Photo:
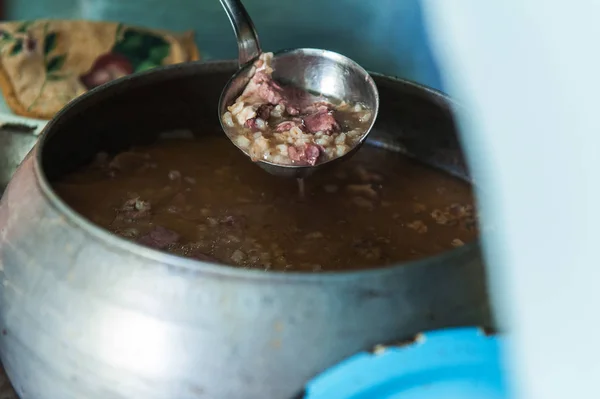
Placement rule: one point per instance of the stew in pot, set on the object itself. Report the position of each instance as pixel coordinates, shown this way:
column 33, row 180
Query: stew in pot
column 201, row 198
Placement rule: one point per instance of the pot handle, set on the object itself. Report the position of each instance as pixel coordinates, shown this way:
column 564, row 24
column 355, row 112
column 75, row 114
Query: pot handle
column 247, row 38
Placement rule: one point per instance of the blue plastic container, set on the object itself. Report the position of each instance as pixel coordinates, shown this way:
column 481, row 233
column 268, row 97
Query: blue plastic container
column 446, row 364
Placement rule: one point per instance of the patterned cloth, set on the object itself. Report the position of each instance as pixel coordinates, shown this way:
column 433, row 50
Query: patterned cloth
column 44, row 64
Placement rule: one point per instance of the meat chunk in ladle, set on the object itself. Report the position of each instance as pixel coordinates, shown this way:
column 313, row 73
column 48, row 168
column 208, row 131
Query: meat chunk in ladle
column 294, row 111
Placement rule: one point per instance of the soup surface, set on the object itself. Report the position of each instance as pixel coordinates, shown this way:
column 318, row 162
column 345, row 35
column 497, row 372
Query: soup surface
column 204, row 199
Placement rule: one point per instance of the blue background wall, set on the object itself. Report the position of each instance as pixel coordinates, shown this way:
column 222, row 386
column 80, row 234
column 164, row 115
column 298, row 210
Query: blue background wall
column 385, row 36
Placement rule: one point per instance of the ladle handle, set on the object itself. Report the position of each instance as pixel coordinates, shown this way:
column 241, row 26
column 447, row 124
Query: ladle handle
column 247, row 38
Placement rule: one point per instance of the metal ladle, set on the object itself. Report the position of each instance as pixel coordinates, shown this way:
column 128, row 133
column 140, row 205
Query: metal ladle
column 317, row 71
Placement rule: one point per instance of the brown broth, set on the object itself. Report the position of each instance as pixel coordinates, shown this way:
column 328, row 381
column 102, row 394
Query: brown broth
column 376, row 209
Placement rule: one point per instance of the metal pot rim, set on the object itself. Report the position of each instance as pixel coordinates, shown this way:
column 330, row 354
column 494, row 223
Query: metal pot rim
column 188, row 264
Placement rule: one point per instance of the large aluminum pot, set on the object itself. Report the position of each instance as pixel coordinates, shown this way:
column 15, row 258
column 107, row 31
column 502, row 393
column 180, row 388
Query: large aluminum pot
column 85, row 314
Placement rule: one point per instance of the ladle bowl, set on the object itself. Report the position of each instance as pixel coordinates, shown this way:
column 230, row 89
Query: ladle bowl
column 316, row 71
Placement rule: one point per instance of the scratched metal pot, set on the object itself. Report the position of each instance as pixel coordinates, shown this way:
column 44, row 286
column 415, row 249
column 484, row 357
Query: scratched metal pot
column 17, row 136
column 85, row 314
